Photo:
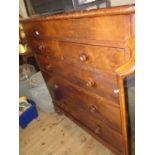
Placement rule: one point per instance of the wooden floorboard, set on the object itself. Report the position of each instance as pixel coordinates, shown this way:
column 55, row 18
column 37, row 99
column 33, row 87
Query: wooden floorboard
column 53, row 134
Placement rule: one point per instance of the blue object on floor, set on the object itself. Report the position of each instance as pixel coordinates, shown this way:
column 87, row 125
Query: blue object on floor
column 27, row 116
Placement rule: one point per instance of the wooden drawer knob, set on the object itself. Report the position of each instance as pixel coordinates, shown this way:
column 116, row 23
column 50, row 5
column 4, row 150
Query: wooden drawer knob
column 61, row 103
column 93, row 108
column 40, row 47
column 56, row 86
column 90, row 83
column 116, row 91
column 83, row 57
column 64, row 103
column 37, row 33
column 98, row 130
column 48, row 67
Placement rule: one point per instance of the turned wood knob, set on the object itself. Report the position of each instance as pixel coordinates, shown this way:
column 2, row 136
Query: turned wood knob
column 116, row 91
column 37, row 33
column 90, row 83
column 40, row 47
column 97, row 130
column 62, row 103
column 93, row 108
column 83, row 57
column 48, row 67
column 56, row 86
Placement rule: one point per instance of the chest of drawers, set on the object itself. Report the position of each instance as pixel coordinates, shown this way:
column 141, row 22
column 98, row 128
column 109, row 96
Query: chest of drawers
column 84, row 58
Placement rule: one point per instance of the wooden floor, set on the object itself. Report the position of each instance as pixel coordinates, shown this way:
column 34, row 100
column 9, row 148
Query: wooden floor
column 52, row 134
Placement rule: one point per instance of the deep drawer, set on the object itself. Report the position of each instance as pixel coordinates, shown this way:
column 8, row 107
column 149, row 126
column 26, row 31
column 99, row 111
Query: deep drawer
column 102, row 28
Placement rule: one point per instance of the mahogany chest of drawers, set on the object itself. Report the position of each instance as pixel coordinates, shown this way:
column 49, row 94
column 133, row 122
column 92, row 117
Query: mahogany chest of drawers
column 84, row 58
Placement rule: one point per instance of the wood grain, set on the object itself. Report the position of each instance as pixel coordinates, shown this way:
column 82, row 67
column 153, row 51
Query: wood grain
column 81, row 29
column 52, row 134
column 90, row 80
column 103, row 58
column 105, row 110
column 88, row 48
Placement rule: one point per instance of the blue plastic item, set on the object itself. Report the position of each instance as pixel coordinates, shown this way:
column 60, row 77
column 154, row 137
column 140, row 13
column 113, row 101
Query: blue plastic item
column 27, row 116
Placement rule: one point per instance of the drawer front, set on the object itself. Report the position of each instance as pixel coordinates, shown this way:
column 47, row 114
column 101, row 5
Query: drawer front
column 96, row 114
column 99, row 107
column 107, row 28
column 101, row 84
column 106, row 59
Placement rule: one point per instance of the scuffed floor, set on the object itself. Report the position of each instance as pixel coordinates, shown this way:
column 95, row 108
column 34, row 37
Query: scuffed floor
column 53, row 134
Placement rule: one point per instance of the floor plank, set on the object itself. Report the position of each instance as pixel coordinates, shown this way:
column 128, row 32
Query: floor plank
column 53, row 134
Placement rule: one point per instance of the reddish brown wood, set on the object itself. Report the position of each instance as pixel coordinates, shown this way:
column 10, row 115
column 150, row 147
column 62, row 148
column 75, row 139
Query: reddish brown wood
column 102, row 58
column 84, row 57
column 104, row 109
column 81, row 29
column 93, row 81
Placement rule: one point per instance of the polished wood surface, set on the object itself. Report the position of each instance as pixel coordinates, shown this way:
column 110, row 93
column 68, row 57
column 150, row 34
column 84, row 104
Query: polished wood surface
column 84, row 57
column 83, row 28
column 101, row 108
column 115, row 20
column 101, row 84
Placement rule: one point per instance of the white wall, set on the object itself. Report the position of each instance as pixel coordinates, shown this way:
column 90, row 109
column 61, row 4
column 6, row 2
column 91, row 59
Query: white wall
column 121, row 2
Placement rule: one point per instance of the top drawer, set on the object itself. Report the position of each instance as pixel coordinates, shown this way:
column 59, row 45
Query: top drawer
column 102, row 28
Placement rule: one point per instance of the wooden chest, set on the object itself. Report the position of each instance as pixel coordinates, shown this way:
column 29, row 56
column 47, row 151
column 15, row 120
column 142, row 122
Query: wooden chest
column 84, row 58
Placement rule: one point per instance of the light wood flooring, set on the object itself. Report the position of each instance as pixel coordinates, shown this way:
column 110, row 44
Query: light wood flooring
column 53, row 134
